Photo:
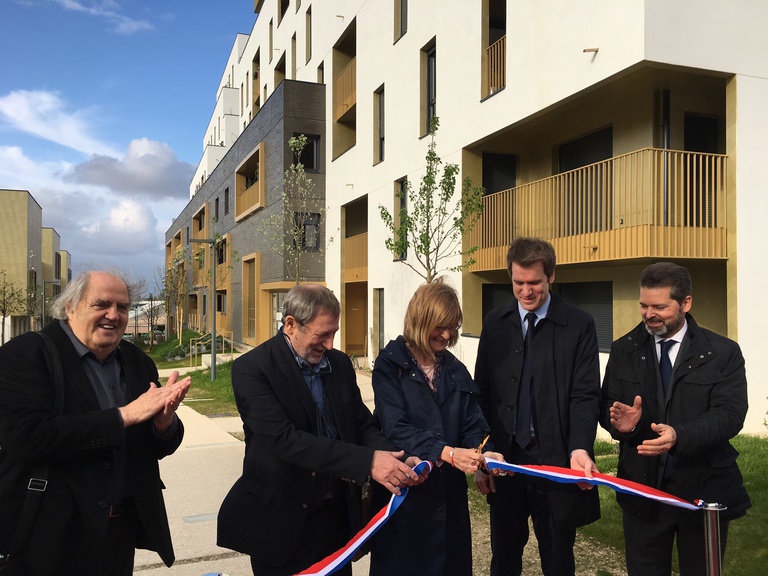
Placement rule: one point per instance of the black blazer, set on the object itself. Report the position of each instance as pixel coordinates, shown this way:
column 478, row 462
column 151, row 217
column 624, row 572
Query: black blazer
column 706, row 405
column 78, row 446
column 566, row 377
column 264, row 513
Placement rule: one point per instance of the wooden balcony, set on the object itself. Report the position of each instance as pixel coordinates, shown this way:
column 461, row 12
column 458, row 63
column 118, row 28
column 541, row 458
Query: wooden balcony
column 496, row 59
column 345, row 91
column 355, row 260
column 649, row 203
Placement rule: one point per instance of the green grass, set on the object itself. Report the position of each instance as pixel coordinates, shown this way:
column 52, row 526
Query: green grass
column 747, row 550
column 212, row 398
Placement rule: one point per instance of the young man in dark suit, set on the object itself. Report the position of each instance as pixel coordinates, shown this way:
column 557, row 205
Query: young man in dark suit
column 537, row 370
column 310, row 444
column 674, row 394
column 102, row 444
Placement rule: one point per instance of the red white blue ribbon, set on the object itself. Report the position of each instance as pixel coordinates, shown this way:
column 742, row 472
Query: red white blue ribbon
column 568, row 476
column 330, row 564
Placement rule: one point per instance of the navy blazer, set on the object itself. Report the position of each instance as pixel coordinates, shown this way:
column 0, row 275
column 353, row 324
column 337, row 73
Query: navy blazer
column 78, row 446
column 706, row 405
column 566, row 392
column 264, row 513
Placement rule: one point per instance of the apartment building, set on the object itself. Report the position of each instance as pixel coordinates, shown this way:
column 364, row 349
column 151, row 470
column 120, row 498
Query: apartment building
column 623, row 132
column 31, row 260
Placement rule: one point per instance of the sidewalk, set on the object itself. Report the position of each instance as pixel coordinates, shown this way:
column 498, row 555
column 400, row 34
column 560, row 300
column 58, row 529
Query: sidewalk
column 197, row 477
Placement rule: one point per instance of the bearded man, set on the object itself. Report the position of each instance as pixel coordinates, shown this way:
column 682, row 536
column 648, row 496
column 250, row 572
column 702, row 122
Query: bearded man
column 673, row 395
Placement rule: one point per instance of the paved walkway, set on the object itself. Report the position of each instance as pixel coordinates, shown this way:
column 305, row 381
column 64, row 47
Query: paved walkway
column 197, row 477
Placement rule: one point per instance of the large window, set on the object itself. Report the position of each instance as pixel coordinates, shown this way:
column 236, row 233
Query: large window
column 401, row 18
column 310, row 156
column 429, row 85
column 310, row 235
column 378, row 125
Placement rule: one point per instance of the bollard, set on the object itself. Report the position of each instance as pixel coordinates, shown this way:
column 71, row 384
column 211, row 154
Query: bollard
column 712, row 537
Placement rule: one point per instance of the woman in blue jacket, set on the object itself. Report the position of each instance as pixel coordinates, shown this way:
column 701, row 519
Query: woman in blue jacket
column 425, row 401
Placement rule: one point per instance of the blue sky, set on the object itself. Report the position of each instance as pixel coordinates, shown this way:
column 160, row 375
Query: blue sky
column 103, row 108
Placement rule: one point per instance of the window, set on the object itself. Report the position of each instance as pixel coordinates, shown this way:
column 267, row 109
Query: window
column 216, row 209
column 401, row 204
column 226, row 201
column 282, row 9
column 308, row 36
column 310, row 156
column 221, row 252
column 310, row 234
column 250, row 185
column 429, row 85
column 221, row 302
column 378, row 125
column 596, row 298
column 57, row 267
column 187, row 235
column 401, row 18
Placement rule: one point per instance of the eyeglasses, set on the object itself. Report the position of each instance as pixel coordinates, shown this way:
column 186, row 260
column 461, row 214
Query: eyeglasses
column 452, row 330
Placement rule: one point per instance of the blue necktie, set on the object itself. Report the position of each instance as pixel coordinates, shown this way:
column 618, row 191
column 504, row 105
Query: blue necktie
column 524, row 399
column 665, row 364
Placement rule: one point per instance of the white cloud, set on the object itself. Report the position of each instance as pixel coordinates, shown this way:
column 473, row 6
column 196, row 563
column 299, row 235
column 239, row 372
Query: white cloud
column 109, row 10
column 43, row 114
column 149, row 168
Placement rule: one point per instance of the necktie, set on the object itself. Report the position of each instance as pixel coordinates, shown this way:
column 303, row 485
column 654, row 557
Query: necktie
column 523, row 425
column 665, row 364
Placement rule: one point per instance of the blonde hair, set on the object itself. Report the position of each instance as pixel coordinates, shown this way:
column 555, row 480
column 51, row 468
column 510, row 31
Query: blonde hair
column 433, row 305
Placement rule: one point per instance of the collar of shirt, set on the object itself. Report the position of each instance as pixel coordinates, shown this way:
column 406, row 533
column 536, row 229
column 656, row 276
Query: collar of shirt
column 322, row 366
column 677, row 338
column 540, row 312
column 82, row 349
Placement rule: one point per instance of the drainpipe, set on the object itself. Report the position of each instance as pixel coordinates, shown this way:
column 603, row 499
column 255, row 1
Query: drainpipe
column 665, row 127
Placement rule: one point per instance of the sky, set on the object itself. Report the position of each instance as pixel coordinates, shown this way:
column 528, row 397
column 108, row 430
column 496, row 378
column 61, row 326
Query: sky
column 103, row 110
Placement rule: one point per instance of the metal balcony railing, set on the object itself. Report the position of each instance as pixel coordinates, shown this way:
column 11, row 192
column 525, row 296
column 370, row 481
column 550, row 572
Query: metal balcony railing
column 648, row 203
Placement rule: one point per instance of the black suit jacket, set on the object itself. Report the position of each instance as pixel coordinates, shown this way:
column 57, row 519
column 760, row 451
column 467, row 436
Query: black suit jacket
column 566, row 378
column 264, row 513
column 706, row 405
column 79, row 447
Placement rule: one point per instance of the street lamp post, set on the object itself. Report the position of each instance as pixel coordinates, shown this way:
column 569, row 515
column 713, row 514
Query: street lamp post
column 213, row 300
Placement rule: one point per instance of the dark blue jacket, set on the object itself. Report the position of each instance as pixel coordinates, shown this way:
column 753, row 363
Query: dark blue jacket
column 706, row 405
column 431, row 529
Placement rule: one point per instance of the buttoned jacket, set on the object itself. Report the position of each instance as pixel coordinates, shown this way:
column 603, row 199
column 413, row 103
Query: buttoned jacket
column 706, row 404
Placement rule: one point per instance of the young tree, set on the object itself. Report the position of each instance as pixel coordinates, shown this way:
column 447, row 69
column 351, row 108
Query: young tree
column 432, row 223
column 174, row 288
column 294, row 232
column 12, row 301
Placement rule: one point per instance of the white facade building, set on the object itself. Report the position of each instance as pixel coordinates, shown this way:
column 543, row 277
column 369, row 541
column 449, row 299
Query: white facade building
column 623, row 132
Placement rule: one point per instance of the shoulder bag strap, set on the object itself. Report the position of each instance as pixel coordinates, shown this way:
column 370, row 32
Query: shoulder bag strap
column 38, row 480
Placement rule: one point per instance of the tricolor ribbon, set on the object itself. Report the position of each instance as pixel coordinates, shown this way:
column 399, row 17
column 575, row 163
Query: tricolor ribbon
column 331, row 563
column 568, row 476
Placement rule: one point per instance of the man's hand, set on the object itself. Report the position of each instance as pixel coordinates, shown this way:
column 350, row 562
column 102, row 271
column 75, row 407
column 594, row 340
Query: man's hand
column 164, row 419
column 624, row 418
column 412, row 462
column 157, row 402
column 485, row 483
column 581, row 461
column 661, row 445
column 390, row 472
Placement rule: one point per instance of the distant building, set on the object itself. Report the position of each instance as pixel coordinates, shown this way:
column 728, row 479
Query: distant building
column 31, row 260
column 623, row 132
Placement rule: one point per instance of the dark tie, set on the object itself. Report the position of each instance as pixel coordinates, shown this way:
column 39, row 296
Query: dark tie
column 665, row 364
column 523, row 426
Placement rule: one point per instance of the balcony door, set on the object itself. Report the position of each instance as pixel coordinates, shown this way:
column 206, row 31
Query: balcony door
column 585, row 195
